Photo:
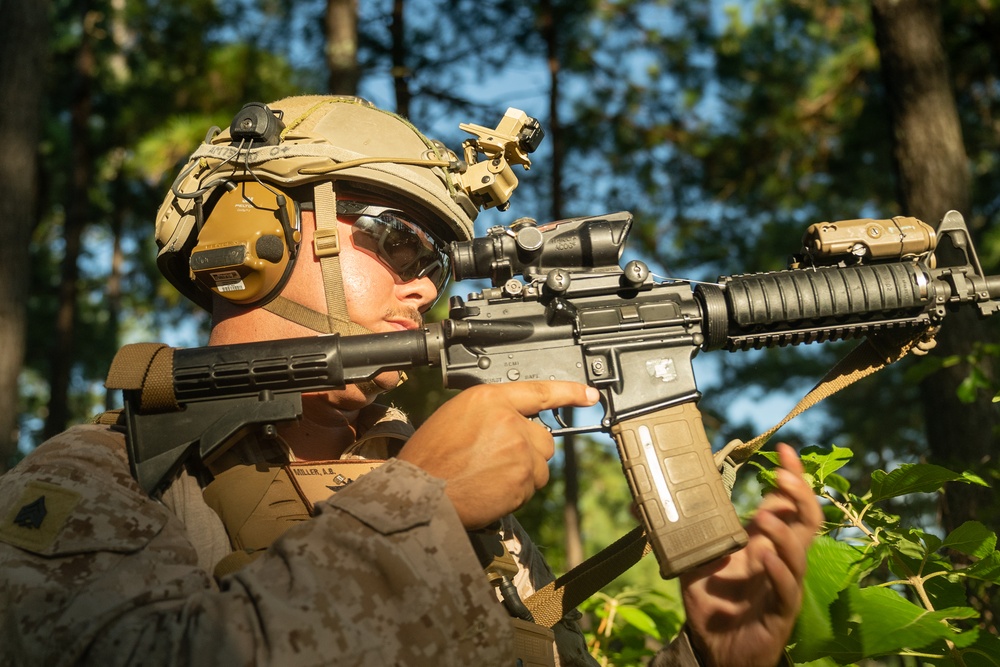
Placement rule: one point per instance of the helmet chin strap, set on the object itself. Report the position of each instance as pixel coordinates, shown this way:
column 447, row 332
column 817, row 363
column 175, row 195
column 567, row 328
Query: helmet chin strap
column 326, row 245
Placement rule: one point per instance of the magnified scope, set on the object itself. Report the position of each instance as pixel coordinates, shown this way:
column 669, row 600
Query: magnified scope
column 530, row 249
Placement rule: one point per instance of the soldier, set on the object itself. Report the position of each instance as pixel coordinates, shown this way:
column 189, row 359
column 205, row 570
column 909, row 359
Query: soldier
column 338, row 218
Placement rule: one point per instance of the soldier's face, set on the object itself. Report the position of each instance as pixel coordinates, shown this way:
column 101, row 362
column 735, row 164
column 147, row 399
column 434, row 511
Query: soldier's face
column 377, row 297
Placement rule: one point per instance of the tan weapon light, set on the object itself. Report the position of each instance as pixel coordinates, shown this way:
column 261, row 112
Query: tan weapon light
column 867, row 238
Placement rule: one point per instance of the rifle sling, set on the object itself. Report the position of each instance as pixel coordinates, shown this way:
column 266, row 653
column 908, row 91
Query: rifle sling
column 868, row 357
column 148, row 367
column 551, row 602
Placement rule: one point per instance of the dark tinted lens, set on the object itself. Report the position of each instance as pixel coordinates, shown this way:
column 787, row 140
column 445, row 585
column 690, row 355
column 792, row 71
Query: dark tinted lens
column 405, row 250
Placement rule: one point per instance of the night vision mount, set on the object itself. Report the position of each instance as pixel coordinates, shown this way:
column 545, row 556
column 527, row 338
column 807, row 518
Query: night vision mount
column 490, row 181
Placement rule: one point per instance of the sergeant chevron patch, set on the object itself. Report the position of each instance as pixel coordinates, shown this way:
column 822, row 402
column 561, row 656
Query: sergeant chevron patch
column 36, row 519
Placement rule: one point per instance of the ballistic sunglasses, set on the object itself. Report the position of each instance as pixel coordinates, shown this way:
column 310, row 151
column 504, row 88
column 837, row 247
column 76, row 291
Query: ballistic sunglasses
column 401, row 245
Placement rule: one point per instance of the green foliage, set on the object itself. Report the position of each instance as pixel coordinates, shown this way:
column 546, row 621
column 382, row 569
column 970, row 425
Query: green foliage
column 877, row 587
column 629, row 626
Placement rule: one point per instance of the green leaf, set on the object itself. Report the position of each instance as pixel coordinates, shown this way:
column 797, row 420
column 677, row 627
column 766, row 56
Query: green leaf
column 931, row 541
column 767, row 478
column 877, row 517
column 987, row 569
column 638, row 619
column 984, row 652
column 916, row 478
column 972, row 539
column 842, row 644
column 838, row 483
column 907, row 544
column 832, row 566
column 890, row 623
column 822, row 662
column 967, row 638
column 821, row 463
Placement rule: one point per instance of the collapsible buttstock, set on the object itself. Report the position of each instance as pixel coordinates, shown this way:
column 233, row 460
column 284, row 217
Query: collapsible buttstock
column 687, row 513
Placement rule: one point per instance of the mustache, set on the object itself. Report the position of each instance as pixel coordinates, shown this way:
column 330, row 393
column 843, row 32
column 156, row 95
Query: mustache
column 403, row 312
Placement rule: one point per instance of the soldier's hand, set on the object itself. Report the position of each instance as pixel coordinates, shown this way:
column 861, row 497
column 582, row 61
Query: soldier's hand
column 482, row 443
column 741, row 608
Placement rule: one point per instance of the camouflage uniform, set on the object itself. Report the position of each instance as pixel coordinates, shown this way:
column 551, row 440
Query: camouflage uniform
column 94, row 571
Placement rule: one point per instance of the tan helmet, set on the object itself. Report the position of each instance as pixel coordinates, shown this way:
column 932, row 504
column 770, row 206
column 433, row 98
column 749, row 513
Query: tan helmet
column 230, row 223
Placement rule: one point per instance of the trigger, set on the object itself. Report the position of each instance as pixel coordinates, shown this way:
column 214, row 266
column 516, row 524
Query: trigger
column 557, row 415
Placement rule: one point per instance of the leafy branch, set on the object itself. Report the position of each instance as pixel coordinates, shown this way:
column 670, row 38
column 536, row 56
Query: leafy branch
column 877, row 588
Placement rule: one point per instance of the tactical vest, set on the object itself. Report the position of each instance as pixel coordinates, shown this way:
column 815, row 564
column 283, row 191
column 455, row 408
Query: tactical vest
column 258, row 496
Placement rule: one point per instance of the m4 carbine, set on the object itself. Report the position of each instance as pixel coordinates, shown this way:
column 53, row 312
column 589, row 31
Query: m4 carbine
column 577, row 315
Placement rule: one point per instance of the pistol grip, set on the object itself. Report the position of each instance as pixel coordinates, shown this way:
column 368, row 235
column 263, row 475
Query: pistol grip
column 688, row 516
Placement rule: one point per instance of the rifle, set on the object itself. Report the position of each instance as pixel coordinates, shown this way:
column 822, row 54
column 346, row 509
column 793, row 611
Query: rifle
column 577, row 315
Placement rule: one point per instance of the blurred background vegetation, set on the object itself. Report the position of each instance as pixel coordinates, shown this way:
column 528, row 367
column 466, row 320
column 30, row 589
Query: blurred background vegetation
column 726, row 127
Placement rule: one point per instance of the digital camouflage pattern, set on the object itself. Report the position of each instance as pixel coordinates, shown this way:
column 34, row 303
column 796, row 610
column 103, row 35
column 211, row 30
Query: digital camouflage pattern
column 93, row 571
column 383, row 575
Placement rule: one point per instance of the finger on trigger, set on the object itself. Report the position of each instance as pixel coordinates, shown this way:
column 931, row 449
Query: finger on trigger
column 530, row 398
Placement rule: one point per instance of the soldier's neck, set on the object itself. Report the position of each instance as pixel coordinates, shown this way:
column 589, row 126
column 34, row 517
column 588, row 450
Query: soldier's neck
column 323, row 432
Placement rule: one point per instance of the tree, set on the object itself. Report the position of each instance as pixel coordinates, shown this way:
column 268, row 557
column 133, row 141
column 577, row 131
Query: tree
column 77, row 214
column 158, row 76
column 342, row 46
column 933, row 176
column 23, row 46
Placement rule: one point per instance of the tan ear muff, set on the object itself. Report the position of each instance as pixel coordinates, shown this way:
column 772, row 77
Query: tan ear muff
column 247, row 246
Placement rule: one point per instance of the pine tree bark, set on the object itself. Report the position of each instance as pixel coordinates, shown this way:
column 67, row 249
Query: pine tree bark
column 342, row 46
column 77, row 208
column 24, row 38
column 934, row 177
column 398, row 52
column 549, row 25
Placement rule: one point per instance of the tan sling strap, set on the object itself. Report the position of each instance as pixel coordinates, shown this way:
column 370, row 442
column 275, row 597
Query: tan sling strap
column 149, row 367
column 550, row 603
column 326, row 246
column 868, row 357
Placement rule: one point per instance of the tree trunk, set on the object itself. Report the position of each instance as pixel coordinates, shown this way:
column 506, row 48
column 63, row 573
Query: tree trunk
column 77, row 208
column 934, row 177
column 571, row 469
column 24, row 38
column 342, row 46
column 113, row 291
column 400, row 72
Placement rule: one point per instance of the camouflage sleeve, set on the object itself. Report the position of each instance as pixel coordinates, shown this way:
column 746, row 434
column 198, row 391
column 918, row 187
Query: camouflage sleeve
column 94, row 572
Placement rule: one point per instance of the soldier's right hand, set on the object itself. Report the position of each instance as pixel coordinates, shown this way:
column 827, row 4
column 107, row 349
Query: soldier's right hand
column 483, row 444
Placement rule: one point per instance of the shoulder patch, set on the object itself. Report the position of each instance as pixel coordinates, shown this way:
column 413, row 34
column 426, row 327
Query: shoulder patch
column 34, row 521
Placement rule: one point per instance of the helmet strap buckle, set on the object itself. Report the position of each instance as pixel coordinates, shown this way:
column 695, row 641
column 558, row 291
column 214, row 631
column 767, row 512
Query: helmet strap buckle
column 326, row 242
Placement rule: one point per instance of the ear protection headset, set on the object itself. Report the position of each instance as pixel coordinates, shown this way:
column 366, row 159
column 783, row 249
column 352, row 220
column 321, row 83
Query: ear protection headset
column 246, row 247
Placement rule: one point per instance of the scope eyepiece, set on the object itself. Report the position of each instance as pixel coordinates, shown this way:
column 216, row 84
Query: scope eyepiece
column 533, row 250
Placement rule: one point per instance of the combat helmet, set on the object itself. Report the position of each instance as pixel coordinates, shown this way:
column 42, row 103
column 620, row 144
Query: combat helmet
column 230, row 224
